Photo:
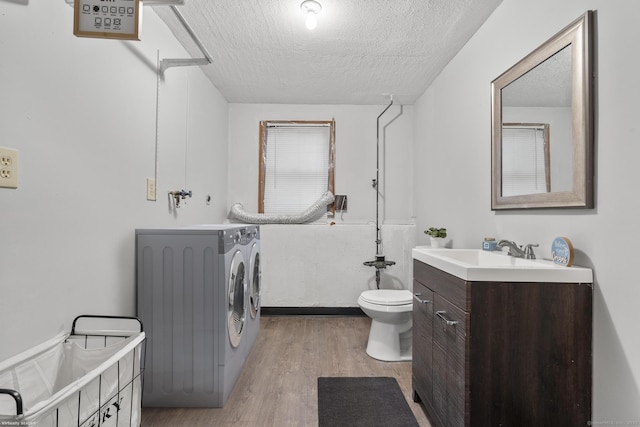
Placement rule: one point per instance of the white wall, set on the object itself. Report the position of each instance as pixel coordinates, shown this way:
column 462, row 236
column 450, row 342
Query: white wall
column 82, row 114
column 321, row 265
column 452, row 124
column 355, row 156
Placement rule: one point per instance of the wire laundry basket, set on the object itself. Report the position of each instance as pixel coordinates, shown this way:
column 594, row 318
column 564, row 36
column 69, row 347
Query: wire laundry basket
column 89, row 377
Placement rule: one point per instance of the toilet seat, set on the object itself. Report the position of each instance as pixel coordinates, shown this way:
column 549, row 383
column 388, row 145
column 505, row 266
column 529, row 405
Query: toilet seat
column 387, row 297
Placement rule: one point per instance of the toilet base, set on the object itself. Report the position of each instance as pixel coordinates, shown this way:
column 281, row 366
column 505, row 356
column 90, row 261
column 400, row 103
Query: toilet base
column 390, row 342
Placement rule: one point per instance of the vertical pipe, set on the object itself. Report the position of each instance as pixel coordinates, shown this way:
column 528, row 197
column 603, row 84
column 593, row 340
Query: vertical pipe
column 186, row 135
column 158, row 81
column 378, row 233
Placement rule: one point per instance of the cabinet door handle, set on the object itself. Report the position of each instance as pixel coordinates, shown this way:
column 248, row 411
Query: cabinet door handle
column 420, row 300
column 441, row 315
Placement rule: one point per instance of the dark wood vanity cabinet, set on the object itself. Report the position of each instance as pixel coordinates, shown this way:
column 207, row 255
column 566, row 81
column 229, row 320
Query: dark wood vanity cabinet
column 501, row 353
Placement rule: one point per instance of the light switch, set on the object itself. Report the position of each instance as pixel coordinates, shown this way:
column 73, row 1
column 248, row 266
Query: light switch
column 151, row 189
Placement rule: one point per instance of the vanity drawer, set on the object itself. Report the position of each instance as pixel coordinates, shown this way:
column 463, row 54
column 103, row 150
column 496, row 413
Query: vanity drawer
column 450, row 287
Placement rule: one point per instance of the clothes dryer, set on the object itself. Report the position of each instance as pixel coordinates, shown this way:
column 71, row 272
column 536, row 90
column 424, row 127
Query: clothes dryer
column 192, row 287
column 253, row 285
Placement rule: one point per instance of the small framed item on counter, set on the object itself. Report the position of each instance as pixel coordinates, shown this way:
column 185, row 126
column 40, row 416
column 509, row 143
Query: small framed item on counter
column 562, row 251
column 107, row 19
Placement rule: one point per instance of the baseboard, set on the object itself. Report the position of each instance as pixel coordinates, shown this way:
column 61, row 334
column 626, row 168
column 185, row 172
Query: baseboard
column 311, row 311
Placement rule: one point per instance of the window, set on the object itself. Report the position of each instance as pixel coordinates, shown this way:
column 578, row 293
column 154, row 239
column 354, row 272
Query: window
column 296, row 165
column 525, row 159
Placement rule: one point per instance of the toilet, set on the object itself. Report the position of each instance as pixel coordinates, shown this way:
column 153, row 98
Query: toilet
column 390, row 312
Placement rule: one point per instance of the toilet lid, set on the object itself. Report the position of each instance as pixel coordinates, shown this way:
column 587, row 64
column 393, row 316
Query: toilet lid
column 387, row 296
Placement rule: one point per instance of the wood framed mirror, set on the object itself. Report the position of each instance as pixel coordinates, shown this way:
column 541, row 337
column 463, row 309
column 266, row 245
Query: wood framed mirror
column 551, row 87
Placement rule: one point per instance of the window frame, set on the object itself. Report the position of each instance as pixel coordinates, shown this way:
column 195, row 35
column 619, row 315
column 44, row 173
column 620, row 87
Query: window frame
column 264, row 125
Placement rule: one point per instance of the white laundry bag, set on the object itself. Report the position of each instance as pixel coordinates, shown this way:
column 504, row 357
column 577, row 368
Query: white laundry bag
column 74, row 380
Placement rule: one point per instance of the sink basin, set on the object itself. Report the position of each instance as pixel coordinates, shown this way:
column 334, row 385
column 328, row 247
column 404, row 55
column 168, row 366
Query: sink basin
column 485, row 266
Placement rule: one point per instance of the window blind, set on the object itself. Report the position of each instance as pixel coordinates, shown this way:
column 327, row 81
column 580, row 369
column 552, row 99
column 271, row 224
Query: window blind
column 523, row 161
column 297, row 159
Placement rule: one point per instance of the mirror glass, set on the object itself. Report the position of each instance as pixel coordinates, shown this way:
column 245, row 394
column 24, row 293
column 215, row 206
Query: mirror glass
column 542, row 138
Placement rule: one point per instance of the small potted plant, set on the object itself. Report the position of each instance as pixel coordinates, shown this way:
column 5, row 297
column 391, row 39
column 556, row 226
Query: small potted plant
column 437, row 236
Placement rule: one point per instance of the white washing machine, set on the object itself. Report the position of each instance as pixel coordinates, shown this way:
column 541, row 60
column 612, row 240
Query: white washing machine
column 192, row 300
column 253, row 285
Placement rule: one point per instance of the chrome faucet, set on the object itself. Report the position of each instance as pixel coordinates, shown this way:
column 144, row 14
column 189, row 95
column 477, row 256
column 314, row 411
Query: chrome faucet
column 517, row 251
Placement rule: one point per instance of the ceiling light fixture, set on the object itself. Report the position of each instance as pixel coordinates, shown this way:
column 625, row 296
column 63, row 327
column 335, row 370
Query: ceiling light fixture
column 312, row 8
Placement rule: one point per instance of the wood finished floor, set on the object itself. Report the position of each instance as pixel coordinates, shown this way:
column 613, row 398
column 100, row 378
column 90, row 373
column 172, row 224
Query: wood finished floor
column 278, row 384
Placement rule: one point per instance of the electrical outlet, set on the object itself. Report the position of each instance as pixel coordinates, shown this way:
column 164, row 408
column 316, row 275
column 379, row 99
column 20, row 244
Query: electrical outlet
column 8, row 167
column 151, row 189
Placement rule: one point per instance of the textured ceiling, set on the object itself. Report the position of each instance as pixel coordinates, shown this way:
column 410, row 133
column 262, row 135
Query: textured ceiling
column 360, row 52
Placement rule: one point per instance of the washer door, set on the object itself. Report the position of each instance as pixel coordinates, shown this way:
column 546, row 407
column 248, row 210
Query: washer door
column 236, row 312
column 254, row 281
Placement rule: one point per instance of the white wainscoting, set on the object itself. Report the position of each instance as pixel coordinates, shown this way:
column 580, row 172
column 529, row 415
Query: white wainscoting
column 322, row 265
